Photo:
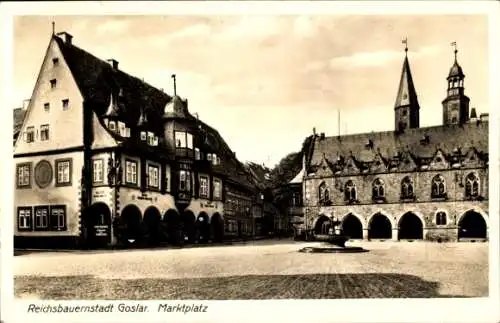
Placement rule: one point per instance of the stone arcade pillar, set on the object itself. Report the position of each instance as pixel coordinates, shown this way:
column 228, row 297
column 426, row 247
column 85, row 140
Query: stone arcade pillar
column 365, row 234
column 395, row 232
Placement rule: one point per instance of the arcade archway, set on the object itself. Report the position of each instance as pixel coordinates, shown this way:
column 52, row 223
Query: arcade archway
column 188, row 227
column 410, row 227
column 352, row 227
column 172, row 221
column 152, row 220
column 323, row 225
column 96, row 225
column 472, row 226
column 217, row 227
column 130, row 225
column 203, row 227
column 379, row 227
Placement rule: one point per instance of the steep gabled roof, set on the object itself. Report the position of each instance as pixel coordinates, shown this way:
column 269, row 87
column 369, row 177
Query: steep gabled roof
column 97, row 79
column 422, row 143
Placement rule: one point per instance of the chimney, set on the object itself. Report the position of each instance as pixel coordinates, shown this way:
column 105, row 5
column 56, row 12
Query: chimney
column 473, row 114
column 26, row 103
column 314, row 131
column 67, row 38
column 484, row 117
column 113, row 63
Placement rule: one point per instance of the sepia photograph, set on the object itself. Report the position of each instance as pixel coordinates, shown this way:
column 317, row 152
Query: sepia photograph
column 216, row 157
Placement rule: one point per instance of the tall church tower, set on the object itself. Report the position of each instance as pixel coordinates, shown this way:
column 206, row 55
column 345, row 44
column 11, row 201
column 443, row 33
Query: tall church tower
column 456, row 103
column 406, row 107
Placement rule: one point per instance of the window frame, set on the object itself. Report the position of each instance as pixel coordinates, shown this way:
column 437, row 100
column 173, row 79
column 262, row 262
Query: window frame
column 187, row 180
column 439, row 182
column 441, row 218
column 45, row 128
column 94, row 168
column 378, row 189
column 35, row 217
column 30, row 132
column 57, row 227
column 29, row 165
column 46, row 106
column 126, row 180
column 471, row 179
column 148, row 182
column 70, row 171
column 65, row 104
column 204, row 193
column 350, row 192
column 217, row 192
column 53, row 84
column 29, row 226
column 405, row 195
column 323, row 194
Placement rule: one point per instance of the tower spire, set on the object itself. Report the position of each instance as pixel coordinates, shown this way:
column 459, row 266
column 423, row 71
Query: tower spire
column 406, row 105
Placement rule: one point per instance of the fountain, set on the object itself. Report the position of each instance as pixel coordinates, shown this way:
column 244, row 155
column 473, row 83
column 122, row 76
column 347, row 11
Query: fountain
column 333, row 242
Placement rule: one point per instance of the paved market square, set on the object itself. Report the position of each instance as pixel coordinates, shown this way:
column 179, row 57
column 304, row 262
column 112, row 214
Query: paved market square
column 271, row 269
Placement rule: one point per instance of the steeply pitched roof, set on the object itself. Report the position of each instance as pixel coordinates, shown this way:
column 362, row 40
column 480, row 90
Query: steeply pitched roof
column 421, row 143
column 407, row 95
column 19, row 114
column 97, row 79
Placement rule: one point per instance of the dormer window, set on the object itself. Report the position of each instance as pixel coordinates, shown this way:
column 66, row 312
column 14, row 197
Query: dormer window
column 197, row 155
column 151, row 138
column 144, row 136
column 112, row 125
column 53, row 83
column 55, row 61
column 209, row 157
column 214, row 159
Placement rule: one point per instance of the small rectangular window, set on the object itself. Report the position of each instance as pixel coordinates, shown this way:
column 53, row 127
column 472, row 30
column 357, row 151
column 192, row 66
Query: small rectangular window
column 30, row 134
column 65, row 104
column 203, row 186
column 58, row 218
column 112, row 125
column 131, row 172
column 98, row 171
column 53, row 83
column 46, row 106
column 197, row 153
column 55, row 61
column 44, row 132
column 24, row 175
column 153, row 176
column 63, row 169
column 217, row 190
column 41, row 217
column 24, row 218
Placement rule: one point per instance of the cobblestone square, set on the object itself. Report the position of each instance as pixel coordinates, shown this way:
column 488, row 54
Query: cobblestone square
column 257, row 270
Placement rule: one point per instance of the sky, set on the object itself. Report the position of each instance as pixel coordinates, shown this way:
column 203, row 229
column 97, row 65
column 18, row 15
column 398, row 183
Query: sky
column 264, row 82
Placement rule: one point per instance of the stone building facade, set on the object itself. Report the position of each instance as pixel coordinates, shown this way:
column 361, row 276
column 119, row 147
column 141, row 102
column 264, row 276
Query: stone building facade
column 105, row 158
column 411, row 183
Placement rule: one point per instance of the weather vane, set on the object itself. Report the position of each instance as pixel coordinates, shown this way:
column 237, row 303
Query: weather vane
column 405, row 42
column 454, row 44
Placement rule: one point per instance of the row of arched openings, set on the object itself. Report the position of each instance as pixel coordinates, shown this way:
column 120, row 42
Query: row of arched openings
column 472, row 225
column 132, row 228
column 438, row 189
